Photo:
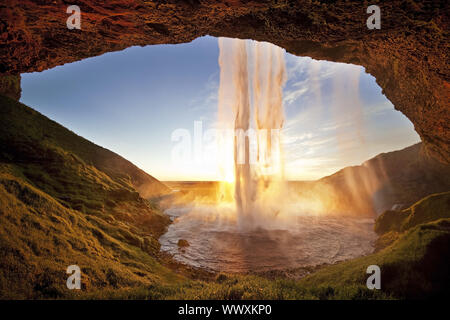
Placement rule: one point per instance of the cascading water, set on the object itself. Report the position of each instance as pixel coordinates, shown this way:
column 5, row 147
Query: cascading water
column 258, row 116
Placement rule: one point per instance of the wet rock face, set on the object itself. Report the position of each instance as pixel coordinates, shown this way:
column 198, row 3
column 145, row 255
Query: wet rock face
column 408, row 56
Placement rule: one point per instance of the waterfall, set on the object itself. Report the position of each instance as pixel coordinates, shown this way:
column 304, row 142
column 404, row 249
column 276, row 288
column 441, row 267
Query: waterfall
column 253, row 107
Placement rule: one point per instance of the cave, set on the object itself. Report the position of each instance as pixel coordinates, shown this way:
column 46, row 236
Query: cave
column 65, row 198
column 407, row 55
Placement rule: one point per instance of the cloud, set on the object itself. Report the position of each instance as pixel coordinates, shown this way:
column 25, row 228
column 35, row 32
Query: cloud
column 206, row 100
column 299, row 89
column 379, row 109
column 307, row 76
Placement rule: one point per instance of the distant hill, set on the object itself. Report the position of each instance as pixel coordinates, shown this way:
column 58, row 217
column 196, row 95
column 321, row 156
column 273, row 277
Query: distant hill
column 27, row 137
column 390, row 180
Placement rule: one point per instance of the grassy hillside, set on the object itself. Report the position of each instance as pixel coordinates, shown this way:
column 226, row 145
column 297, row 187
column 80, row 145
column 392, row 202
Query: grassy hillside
column 64, row 200
column 428, row 209
column 40, row 238
column 77, row 173
column 27, row 137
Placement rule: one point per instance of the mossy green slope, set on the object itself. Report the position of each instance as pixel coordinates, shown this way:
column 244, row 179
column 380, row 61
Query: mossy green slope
column 40, row 238
column 428, row 209
column 27, row 137
column 63, row 201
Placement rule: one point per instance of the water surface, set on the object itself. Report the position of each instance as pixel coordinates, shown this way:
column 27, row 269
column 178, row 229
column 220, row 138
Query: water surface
column 217, row 243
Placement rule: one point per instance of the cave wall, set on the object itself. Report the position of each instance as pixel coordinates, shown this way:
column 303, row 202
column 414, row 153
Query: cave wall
column 408, row 56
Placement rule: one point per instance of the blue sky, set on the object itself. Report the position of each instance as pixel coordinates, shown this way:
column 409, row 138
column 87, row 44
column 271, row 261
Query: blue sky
column 131, row 101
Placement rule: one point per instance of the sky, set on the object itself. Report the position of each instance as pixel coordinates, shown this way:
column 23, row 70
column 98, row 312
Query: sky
column 132, row 102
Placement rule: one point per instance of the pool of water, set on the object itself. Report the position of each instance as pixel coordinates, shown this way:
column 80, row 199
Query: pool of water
column 217, row 243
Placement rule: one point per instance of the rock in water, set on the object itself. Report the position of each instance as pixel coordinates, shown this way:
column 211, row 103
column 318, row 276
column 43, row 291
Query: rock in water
column 183, row 243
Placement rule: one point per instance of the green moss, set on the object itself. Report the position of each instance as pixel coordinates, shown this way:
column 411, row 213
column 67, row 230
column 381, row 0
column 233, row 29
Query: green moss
column 63, row 201
column 390, row 220
column 433, row 207
column 386, row 239
column 430, row 208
